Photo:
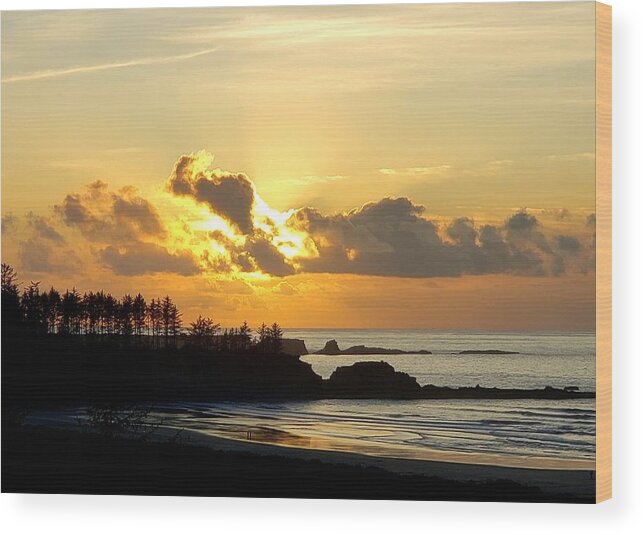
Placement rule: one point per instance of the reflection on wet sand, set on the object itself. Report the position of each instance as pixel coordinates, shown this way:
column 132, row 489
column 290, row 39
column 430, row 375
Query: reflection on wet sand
column 352, row 438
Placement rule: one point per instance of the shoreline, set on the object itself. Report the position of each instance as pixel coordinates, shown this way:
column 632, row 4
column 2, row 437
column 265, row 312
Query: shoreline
column 549, row 475
column 453, row 466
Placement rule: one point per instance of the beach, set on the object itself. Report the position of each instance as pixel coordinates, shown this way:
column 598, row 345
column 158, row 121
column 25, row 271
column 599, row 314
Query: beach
column 45, row 459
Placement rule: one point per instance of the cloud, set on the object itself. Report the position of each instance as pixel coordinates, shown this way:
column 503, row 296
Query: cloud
column 110, row 217
column 39, row 255
column 434, row 171
column 523, row 230
column 267, row 257
column 283, row 288
column 44, row 229
column 568, row 244
column 499, row 165
column 574, row 157
column 521, row 222
column 256, row 253
column 8, row 223
column 560, row 214
column 145, row 258
column 229, row 195
column 391, row 237
column 55, row 73
column 316, row 179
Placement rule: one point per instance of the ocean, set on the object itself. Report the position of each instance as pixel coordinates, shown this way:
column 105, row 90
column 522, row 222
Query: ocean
column 513, row 430
column 556, row 359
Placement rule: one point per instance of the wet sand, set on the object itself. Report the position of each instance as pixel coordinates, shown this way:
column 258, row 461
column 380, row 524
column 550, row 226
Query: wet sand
column 553, row 475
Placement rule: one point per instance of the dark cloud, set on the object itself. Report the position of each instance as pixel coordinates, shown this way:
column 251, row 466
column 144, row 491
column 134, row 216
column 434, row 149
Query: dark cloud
column 138, row 213
column 463, row 232
column 8, row 223
column 44, row 229
column 521, row 222
column 229, row 195
column 392, row 238
column 268, row 258
column 568, row 244
column 522, row 231
column 110, row 217
column 38, row 255
column 145, row 258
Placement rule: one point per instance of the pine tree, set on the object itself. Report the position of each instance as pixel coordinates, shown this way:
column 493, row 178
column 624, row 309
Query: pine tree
column 202, row 331
column 276, row 334
column 32, row 306
column 139, row 312
column 11, row 309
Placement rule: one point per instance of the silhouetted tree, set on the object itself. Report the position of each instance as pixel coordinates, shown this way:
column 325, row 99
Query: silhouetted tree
column 100, row 313
column 32, row 307
column 125, row 314
column 170, row 320
column 91, row 312
column 176, row 322
column 263, row 332
column 11, row 310
column 245, row 336
column 276, row 334
column 154, row 319
column 139, row 312
column 70, row 318
column 53, row 310
column 110, row 307
column 202, row 331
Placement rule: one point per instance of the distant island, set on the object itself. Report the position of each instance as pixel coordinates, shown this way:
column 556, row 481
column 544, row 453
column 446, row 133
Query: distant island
column 332, row 348
column 487, row 352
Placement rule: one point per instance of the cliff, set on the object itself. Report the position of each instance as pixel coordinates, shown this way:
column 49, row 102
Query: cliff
column 293, row 346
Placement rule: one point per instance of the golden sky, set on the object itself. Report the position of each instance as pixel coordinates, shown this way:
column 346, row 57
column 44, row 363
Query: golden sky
column 421, row 166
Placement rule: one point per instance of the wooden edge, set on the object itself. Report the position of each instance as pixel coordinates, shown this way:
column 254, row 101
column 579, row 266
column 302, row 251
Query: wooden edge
column 603, row 252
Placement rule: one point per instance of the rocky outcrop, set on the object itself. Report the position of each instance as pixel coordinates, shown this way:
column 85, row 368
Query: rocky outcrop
column 480, row 392
column 332, row 348
column 371, row 380
column 379, row 380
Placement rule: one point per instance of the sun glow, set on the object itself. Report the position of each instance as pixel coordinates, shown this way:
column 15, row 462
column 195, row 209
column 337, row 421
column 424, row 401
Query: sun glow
column 217, row 239
column 289, row 242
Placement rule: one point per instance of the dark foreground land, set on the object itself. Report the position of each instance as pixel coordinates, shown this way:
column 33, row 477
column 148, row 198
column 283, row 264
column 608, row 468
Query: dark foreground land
column 39, row 460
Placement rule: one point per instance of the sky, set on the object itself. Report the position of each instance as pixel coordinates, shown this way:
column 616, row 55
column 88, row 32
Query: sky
column 400, row 166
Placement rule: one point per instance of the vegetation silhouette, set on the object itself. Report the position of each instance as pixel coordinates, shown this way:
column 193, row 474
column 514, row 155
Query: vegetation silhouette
column 158, row 323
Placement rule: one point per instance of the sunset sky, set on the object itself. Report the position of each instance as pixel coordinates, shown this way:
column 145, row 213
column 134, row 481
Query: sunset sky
column 416, row 166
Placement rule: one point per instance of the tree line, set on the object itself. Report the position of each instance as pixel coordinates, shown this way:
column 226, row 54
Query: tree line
column 158, row 321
